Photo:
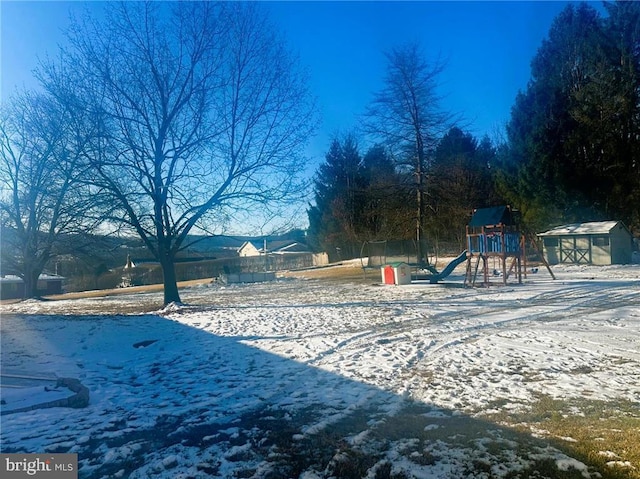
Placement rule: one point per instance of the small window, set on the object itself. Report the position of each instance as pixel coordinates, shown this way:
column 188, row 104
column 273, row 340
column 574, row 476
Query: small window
column 551, row 242
column 600, row 241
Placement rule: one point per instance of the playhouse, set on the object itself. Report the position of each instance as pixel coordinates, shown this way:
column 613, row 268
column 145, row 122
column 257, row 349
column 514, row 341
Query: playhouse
column 494, row 242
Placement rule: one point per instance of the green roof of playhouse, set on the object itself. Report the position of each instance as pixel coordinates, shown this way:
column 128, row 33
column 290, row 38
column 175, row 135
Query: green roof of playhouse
column 495, row 215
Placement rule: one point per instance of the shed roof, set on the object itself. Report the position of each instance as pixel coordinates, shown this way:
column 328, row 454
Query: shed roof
column 590, row 228
column 492, row 216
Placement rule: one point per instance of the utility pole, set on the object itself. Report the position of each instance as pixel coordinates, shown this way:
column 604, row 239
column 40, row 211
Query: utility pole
column 266, row 258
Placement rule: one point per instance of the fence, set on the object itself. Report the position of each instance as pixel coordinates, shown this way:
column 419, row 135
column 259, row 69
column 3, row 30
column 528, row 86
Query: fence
column 403, row 250
column 152, row 273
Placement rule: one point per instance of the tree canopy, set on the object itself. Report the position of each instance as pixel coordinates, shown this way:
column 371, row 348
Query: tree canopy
column 43, row 199
column 574, row 134
column 168, row 118
column 407, row 116
column 368, row 198
column 200, row 111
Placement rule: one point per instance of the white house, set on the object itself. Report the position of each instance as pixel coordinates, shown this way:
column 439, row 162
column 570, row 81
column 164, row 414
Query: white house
column 250, row 248
column 599, row 243
column 257, row 248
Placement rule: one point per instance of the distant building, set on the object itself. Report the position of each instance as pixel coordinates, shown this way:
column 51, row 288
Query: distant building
column 12, row 287
column 599, row 243
column 257, row 248
column 250, row 248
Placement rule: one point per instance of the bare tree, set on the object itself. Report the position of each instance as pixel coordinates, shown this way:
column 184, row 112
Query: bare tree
column 406, row 115
column 42, row 201
column 202, row 110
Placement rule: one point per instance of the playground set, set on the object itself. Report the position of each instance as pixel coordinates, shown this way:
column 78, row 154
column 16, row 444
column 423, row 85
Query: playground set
column 496, row 249
column 493, row 236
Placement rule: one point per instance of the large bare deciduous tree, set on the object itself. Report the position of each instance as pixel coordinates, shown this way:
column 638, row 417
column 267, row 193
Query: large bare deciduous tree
column 202, row 112
column 42, row 200
column 406, row 115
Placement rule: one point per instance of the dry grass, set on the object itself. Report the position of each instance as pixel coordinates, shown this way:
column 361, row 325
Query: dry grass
column 339, row 273
column 602, row 434
column 101, row 293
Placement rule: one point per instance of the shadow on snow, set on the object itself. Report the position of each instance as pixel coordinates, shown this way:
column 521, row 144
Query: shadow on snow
column 193, row 404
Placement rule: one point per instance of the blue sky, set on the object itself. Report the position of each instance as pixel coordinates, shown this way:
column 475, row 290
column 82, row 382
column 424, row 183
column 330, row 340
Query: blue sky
column 488, row 47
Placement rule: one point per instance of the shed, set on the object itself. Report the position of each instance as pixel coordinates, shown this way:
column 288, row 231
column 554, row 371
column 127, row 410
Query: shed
column 599, row 243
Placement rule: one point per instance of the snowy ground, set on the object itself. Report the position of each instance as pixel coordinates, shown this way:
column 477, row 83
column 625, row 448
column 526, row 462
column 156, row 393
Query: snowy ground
column 315, row 379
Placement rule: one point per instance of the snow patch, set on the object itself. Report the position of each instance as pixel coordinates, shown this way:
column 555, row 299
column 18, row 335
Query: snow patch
column 309, row 358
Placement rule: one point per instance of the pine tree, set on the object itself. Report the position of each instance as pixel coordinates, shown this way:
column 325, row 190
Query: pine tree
column 574, row 134
column 333, row 220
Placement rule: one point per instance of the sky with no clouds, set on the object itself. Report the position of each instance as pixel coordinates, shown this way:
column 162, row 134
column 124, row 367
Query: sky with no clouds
column 487, row 47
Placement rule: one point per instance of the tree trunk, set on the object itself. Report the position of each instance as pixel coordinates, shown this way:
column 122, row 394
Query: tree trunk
column 171, row 294
column 31, row 275
column 419, row 252
column 420, row 200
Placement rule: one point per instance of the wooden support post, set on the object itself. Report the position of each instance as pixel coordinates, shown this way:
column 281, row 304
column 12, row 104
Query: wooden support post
column 511, row 266
column 519, row 259
column 544, row 260
column 475, row 273
column 523, row 255
column 485, row 268
column 505, row 274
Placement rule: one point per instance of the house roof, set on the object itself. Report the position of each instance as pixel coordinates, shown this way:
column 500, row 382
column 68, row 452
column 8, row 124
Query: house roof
column 590, row 228
column 294, row 247
column 279, row 246
column 282, row 246
column 492, row 216
column 257, row 245
column 12, row 278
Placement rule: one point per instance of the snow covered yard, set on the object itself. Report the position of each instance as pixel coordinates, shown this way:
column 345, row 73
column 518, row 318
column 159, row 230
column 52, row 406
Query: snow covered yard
column 316, row 379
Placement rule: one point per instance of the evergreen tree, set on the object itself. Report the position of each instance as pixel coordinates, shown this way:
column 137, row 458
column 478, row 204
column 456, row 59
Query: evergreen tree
column 406, row 114
column 334, row 218
column 623, row 33
column 461, row 181
column 573, row 137
column 386, row 200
